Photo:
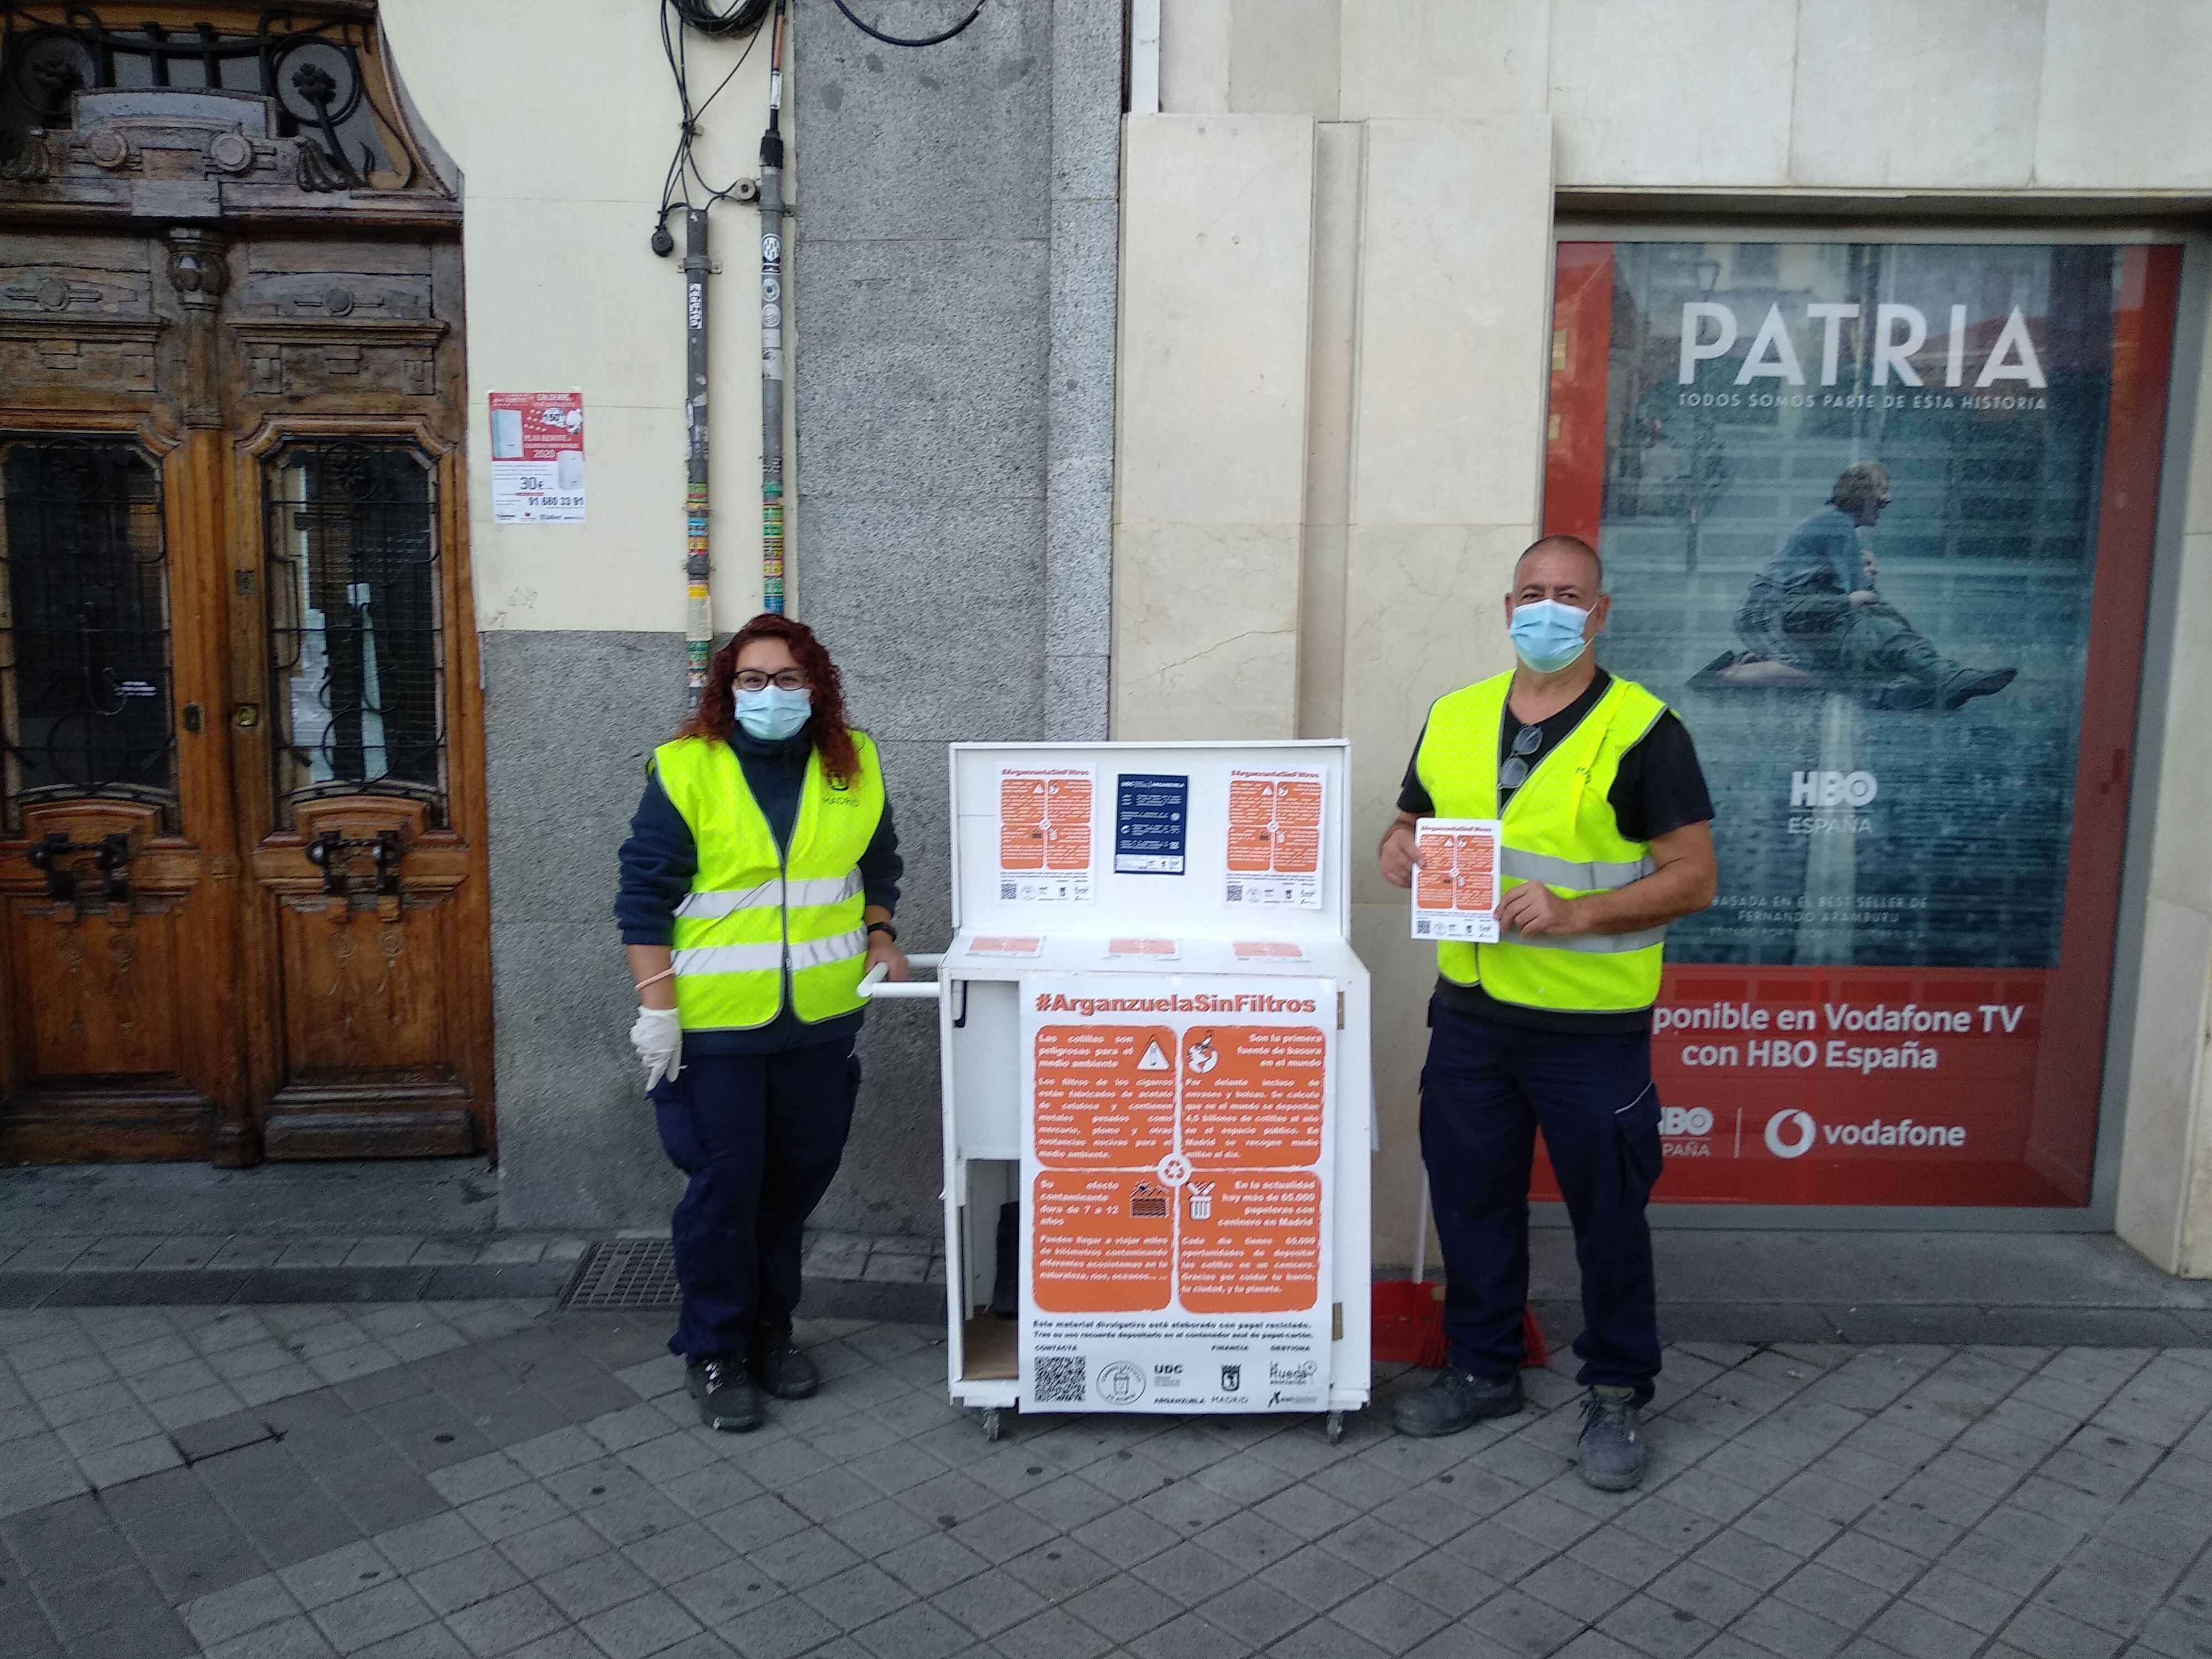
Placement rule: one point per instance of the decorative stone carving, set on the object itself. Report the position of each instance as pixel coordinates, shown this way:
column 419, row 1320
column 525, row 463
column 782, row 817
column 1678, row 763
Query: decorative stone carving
column 198, row 269
column 108, row 147
column 231, row 152
column 30, row 160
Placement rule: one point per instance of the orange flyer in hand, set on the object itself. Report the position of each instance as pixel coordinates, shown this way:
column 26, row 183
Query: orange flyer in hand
column 1455, row 888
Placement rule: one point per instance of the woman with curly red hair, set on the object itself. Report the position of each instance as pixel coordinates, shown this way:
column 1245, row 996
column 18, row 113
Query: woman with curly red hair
column 757, row 886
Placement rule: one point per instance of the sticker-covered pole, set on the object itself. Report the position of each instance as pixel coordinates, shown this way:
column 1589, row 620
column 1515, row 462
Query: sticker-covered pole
column 771, row 279
column 698, row 608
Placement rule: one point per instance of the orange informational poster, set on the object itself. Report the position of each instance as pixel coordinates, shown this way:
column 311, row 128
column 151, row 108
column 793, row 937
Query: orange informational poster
column 1254, row 1095
column 1273, row 855
column 1176, row 1151
column 1105, row 1095
column 1044, row 833
column 1249, row 1242
column 1455, row 889
column 1105, row 1243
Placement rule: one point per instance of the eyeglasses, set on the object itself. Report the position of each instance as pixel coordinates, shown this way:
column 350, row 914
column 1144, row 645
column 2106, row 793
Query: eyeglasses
column 784, row 679
column 1514, row 772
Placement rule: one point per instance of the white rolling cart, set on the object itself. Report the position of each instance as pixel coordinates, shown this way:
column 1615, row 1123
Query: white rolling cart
column 1154, row 1040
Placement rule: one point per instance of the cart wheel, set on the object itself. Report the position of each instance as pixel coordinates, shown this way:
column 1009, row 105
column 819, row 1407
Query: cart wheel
column 991, row 1423
column 1335, row 1428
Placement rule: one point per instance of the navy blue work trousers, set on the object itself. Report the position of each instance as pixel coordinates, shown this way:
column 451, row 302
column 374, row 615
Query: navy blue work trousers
column 761, row 1137
column 1486, row 1091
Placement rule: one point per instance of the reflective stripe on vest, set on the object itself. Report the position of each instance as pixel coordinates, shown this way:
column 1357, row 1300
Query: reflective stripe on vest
column 759, row 920
column 769, row 895
column 1559, row 828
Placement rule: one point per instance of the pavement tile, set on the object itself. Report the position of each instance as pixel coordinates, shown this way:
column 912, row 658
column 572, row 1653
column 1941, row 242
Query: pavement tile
column 503, row 1623
column 466, row 1580
column 557, row 1544
column 2050, row 1634
column 424, row 1642
column 289, row 1639
column 1967, row 1601
column 1649, row 1626
column 332, row 1576
column 719, row 1594
column 650, row 1623
column 359, row 1620
column 1576, row 1588
column 516, row 1511
column 1389, row 1617
column 1450, row 1586
column 1921, row 1634
column 259, row 1601
column 866, row 1523
column 778, row 1630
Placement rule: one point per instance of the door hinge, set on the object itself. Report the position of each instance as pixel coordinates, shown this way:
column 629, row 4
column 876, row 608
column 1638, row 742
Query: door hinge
column 245, row 584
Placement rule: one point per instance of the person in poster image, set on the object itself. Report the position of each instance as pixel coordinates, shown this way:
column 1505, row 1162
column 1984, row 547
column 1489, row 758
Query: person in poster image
column 758, row 887
column 1605, row 838
column 1813, row 617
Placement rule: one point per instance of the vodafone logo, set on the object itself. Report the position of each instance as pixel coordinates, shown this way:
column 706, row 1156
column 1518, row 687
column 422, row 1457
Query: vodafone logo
column 1791, row 1134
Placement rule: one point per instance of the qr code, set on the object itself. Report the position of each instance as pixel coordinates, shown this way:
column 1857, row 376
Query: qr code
column 1060, row 1378
column 1236, row 892
column 1006, row 890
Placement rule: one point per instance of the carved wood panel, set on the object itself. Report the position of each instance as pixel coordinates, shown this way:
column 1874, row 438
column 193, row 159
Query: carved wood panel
column 204, row 292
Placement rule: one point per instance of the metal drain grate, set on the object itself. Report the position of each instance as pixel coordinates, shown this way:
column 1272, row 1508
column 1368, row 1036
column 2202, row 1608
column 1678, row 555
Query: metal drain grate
column 623, row 1272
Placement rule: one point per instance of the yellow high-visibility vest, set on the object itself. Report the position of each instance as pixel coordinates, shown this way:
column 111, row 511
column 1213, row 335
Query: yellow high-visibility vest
column 1559, row 828
column 754, row 913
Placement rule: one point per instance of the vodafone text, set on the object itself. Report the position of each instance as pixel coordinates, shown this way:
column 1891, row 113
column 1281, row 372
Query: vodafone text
column 1988, row 1017
column 1907, row 1019
column 1791, row 1134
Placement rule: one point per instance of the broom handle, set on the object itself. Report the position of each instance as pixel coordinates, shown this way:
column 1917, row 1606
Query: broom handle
column 1421, row 1229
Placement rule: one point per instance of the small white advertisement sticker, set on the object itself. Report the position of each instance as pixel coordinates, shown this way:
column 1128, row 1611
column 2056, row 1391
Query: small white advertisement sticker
column 538, row 457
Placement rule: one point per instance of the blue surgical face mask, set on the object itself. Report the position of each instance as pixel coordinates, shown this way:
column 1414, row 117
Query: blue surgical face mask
column 1547, row 635
column 772, row 712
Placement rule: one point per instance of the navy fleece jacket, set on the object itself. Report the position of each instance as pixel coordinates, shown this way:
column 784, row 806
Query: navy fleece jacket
column 660, row 859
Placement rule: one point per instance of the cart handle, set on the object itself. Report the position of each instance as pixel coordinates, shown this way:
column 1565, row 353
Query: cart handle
column 874, row 988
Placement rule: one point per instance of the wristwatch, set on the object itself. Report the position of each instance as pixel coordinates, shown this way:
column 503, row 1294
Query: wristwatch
column 884, row 928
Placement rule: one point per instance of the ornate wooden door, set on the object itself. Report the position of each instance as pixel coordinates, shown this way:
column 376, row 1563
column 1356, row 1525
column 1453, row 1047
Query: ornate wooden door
column 242, row 854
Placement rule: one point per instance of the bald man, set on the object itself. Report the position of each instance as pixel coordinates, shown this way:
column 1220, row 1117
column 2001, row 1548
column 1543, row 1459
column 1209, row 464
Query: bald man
column 1605, row 838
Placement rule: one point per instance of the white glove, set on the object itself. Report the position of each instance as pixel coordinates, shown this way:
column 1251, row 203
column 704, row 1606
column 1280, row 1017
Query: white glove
column 658, row 1040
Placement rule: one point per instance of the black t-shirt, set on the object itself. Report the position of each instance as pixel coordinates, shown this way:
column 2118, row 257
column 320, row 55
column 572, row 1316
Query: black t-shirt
column 1659, row 787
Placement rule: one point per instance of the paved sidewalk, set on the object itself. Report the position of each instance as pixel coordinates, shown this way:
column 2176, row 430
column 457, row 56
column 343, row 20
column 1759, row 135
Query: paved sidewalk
column 439, row 1481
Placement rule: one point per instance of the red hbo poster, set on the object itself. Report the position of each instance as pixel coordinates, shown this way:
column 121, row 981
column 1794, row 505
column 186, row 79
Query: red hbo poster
column 1877, row 518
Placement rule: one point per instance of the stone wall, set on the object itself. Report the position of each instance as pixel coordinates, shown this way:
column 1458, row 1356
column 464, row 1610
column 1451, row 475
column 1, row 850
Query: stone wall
column 953, row 293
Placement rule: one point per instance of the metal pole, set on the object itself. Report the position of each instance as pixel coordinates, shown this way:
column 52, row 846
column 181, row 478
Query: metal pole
column 771, row 279
column 698, row 608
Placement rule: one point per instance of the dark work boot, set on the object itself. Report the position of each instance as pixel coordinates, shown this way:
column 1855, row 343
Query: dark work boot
column 727, row 1399
column 1962, row 685
column 1611, row 1450
column 1904, row 692
column 780, row 1367
column 1455, row 1399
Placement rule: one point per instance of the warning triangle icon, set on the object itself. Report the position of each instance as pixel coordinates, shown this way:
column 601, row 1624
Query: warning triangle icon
column 1154, row 1058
